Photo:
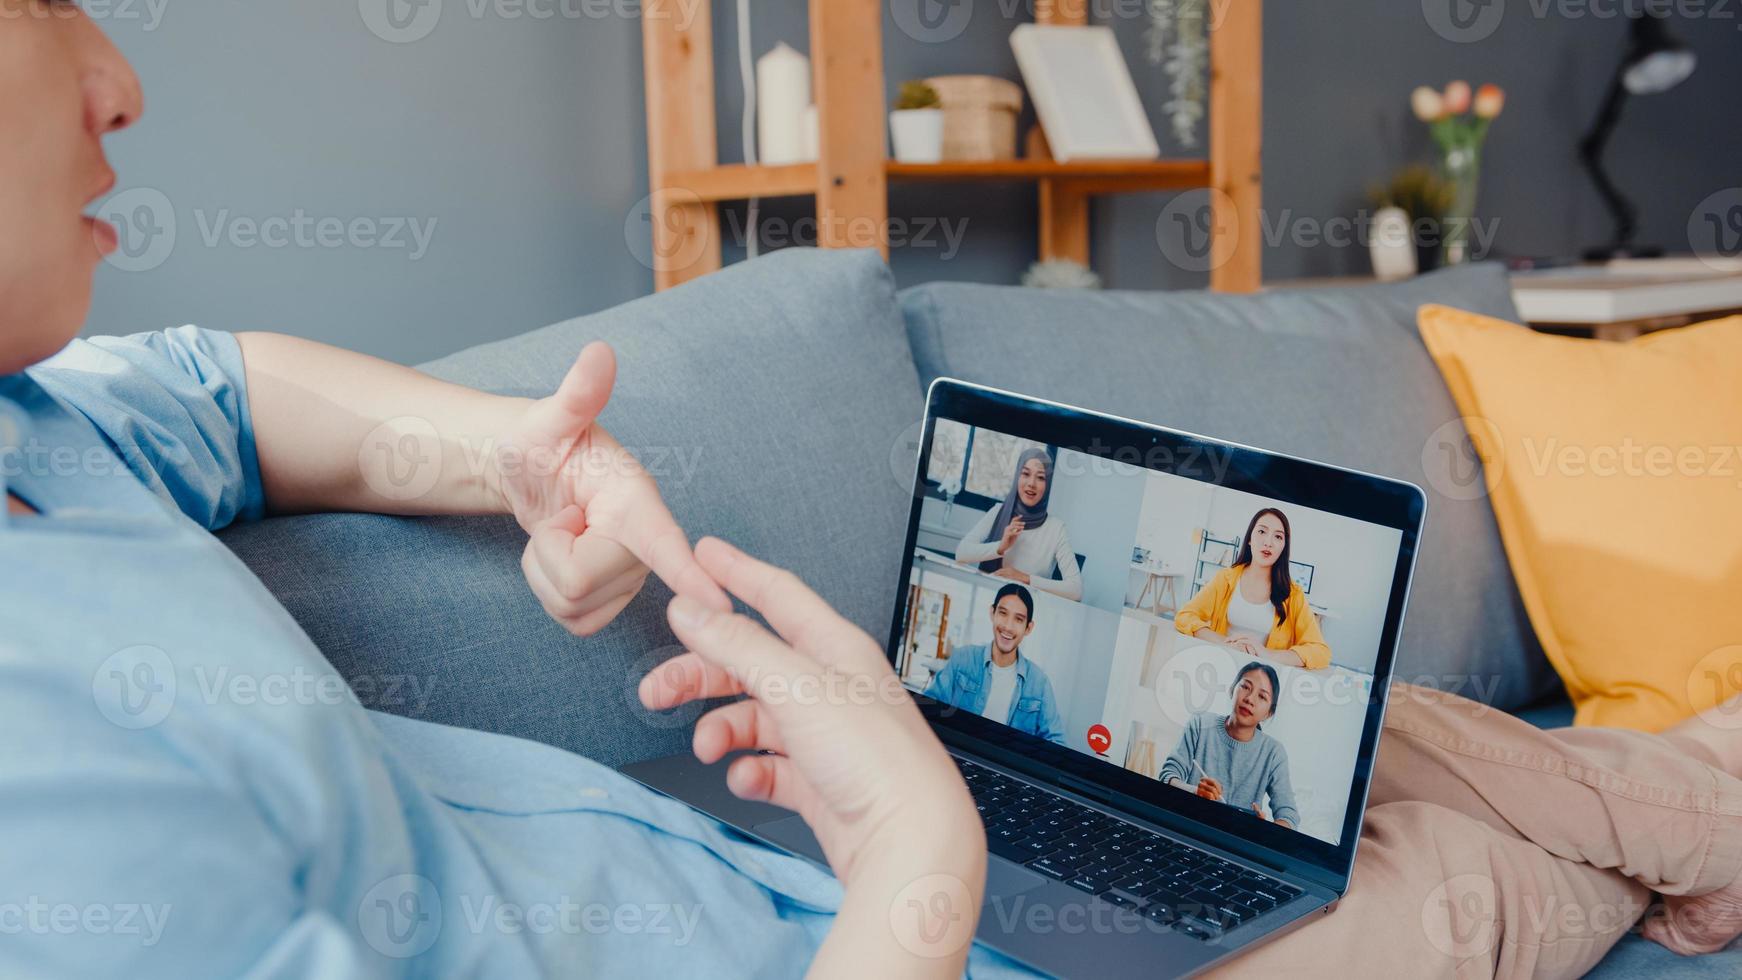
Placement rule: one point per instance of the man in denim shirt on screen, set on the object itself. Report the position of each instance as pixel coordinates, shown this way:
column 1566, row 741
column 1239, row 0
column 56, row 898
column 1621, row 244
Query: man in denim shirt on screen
column 995, row 680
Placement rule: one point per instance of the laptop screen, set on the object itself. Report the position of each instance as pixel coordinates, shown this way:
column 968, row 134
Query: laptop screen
column 1208, row 618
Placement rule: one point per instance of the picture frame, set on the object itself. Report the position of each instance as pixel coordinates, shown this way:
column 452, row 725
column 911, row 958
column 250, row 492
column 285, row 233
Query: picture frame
column 1083, row 92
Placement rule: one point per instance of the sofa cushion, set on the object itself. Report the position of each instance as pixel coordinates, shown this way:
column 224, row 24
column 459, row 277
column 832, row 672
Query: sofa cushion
column 1338, row 375
column 765, row 399
column 1613, row 475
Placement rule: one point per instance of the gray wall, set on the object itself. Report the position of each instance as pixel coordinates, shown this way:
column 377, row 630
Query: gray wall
column 522, row 140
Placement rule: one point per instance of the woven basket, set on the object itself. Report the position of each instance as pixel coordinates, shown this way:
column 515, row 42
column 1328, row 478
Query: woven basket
column 979, row 116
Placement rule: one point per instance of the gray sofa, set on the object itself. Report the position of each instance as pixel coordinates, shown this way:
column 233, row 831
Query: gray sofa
column 776, row 402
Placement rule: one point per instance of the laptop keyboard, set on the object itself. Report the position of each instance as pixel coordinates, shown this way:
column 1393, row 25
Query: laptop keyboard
column 1189, row 890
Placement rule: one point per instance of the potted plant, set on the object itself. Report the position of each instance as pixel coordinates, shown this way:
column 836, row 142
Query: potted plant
column 917, row 124
column 1424, row 199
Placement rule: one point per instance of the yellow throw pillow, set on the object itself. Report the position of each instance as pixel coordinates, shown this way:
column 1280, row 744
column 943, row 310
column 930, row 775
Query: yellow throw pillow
column 1615, row 471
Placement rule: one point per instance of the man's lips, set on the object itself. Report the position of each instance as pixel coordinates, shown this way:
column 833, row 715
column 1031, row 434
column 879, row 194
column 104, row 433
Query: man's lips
column 104, row 234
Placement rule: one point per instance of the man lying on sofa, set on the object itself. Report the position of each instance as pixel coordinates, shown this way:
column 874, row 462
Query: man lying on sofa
column 151, row 828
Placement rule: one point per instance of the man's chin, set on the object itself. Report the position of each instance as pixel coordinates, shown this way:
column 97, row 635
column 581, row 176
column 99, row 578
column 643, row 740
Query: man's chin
column 34, row 339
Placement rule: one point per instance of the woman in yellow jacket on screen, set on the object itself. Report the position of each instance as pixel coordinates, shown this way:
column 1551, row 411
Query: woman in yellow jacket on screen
column 1255, row 607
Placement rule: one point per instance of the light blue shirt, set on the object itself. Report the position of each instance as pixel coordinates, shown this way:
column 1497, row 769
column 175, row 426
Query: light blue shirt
column 187, row 788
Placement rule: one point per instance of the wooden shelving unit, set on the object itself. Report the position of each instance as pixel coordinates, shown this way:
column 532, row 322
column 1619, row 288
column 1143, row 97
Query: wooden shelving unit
column 851, row 177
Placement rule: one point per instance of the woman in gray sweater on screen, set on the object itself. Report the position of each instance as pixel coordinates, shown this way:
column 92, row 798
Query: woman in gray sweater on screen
column 1234, row 762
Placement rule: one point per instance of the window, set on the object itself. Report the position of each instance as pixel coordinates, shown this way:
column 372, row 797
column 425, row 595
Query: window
column 980, row 462
column 992, row 463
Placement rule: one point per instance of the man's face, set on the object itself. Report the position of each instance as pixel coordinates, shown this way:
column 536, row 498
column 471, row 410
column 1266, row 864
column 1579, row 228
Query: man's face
column 1010, row 625
column 63, row 86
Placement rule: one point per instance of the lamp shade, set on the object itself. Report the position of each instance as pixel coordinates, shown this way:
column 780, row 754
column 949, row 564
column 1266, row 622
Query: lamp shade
column 1656, row 62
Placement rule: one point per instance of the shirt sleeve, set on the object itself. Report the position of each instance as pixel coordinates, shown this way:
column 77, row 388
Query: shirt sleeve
column 1179, row 763
column 1200, row 612
column 1309, row 639
column 1280, row 788
column 974, row 546
column 1069, row 584
column 173, row 405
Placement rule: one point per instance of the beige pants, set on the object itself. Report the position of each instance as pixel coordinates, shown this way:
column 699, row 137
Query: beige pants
column 1493, row 848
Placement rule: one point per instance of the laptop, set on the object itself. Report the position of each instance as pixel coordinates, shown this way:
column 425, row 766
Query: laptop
column 1164, row 688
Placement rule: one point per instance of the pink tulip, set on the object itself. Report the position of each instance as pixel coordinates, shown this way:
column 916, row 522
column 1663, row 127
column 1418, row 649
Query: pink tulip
column 1427, row 104
column 1458, row 98
column 1490, row 99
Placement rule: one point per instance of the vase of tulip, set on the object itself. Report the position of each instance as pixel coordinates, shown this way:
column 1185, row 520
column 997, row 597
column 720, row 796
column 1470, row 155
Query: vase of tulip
column 1458, row 119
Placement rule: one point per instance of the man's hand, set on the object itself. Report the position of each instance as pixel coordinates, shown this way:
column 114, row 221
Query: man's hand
column 1209, row 788
column 834, row 736
column 595, row 517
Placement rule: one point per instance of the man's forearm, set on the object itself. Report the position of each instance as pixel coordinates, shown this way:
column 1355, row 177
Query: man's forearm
column 336, row 430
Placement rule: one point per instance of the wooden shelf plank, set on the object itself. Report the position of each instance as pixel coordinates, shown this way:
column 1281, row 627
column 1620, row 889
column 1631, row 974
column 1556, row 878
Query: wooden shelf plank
column 735, row 181
column 1160, row 173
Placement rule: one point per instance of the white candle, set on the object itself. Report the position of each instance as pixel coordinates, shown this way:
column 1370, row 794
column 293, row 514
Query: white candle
column 783, row 92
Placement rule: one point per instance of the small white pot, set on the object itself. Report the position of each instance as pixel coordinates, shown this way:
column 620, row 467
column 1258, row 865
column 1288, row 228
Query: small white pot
column 919, row 135
column 1392, row 245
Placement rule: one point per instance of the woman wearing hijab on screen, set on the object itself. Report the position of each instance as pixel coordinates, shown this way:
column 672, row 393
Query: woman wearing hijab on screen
column 1019, row 540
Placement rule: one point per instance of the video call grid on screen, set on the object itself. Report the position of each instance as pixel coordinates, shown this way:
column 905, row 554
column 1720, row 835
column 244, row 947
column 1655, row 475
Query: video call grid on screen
column 1102, row 666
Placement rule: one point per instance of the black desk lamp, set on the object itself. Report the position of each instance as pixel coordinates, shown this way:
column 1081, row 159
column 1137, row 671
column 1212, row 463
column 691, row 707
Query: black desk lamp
column 1655, row 63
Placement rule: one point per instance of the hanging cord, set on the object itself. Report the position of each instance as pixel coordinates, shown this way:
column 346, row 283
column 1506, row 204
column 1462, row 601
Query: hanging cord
column 747, row 76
